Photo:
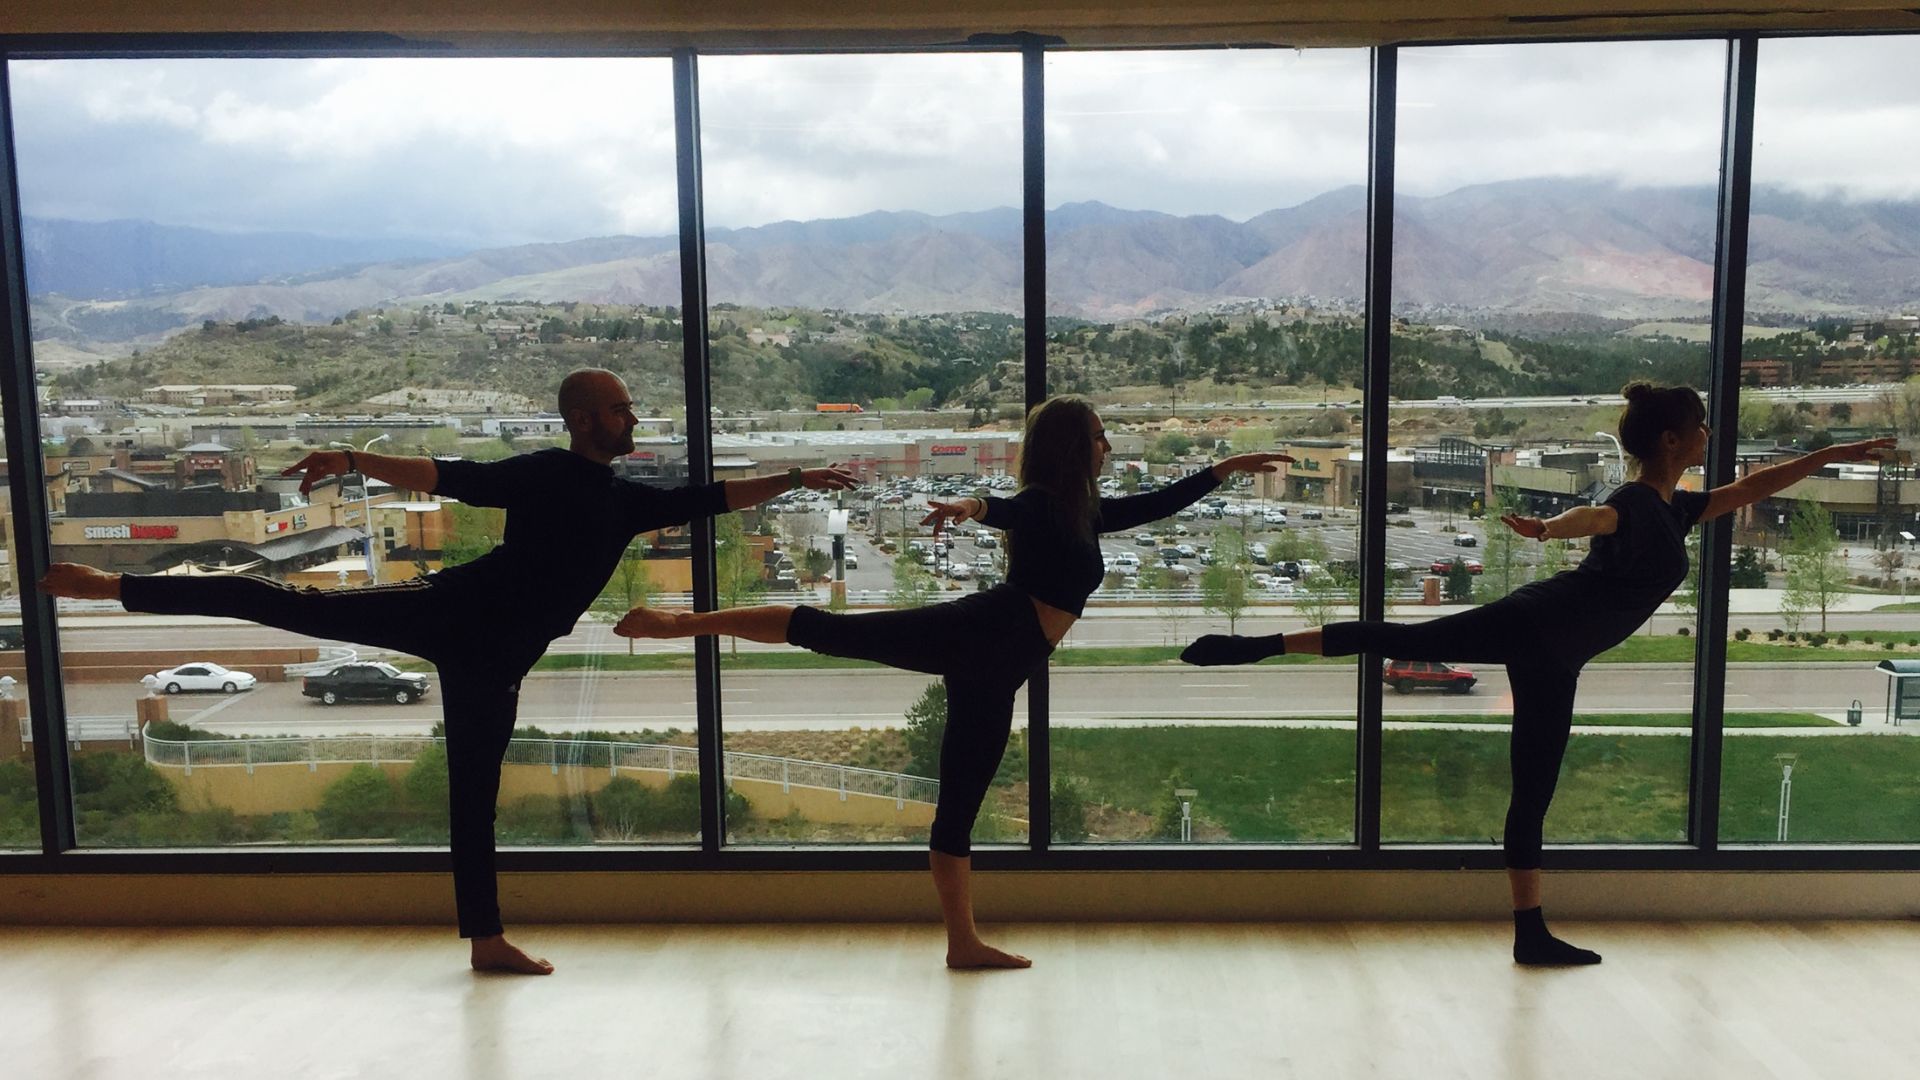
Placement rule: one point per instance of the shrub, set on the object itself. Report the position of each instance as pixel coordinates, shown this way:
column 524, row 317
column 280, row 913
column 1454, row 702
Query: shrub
column 1685, row 631
column 424, row 787
column 1841, row 639
column 1817, row 640
column 1887, row 645
column 117, row 783
column 1069, row 811
column 359, row 804
column 533, row 818
column 1773, row 634
column 174, row 732
column 622, row 809
column 1742, row 634
column 1866, row 639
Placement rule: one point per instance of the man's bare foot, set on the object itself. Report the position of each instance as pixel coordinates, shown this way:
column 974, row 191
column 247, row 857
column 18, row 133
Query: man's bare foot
column 645, row 622
column 497, row 954
column 80, row 582
column 978, row 954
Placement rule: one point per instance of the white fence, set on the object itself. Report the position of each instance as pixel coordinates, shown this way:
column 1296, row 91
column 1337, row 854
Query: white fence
column 789, row 773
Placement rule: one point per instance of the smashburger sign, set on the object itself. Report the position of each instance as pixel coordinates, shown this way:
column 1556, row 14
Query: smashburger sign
column 131, row 532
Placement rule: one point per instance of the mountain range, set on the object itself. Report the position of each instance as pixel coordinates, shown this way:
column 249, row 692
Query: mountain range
column 1526, row 246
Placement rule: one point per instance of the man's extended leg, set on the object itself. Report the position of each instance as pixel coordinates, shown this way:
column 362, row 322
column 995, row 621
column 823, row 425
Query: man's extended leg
column 480, row 708
column 387, row 616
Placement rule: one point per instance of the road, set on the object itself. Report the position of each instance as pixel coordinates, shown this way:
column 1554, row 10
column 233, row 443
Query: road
column 841, row 700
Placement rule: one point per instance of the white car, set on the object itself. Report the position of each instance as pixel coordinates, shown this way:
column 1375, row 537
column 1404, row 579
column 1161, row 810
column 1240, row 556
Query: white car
column 1127, row 562
column 852, row 561
column 200, row 676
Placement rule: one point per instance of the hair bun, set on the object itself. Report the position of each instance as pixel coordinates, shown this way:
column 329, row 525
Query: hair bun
column 1638, row 391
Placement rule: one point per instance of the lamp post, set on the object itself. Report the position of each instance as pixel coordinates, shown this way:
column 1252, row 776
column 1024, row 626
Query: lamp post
column 1618, row 474
column 366, row 510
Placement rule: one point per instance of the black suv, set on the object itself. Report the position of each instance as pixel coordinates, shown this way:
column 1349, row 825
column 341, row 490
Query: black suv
column 13, row 636
column 365, row 682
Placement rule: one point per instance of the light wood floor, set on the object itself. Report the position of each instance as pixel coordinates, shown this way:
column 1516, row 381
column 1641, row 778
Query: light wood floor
column 1116, row 1002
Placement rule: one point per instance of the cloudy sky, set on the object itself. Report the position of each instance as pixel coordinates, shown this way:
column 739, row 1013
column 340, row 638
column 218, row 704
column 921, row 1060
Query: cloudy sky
column 489, row 152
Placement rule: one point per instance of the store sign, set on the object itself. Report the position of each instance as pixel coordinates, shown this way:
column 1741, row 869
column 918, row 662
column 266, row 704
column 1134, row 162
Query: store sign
column 947, row 451
column 131, row 532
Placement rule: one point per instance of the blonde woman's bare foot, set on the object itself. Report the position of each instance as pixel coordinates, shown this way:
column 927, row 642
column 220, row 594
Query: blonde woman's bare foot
column 80, row 582
column 968, row 955
column 497, row 954
column 645, row 622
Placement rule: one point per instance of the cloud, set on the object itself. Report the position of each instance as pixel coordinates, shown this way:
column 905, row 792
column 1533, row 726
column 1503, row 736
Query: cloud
column 498, row 151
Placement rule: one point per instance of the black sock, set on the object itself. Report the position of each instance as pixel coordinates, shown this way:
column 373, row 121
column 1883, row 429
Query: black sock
column 1534, row 945
column 1215, row 649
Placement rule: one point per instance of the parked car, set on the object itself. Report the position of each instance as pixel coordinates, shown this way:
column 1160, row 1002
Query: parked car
column 1144, row 540
column 1126, row 562
column 1445, row 566
column 1274, row 517
column 1186, row 551
column 1311, row 514
column 200, row 676
column 1465, row 540
column 852, row 561
column 365, row 682
column 1406, row 676
column 1397, row 508
column 985, row 539
column 959, row 572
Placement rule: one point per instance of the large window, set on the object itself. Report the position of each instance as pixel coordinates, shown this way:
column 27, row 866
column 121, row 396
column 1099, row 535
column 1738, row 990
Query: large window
column 1822, row 570
column 1553, row 239
column 19, row 801
column 1205, row 260
column 863, row 249
column 235, row 262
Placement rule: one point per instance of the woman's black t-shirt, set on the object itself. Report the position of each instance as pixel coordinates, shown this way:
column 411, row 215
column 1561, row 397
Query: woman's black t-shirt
column 1049, row 560
column 1625, row 577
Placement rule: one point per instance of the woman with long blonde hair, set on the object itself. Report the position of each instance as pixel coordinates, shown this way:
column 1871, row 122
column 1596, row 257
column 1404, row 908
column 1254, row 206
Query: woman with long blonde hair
column 986, row 645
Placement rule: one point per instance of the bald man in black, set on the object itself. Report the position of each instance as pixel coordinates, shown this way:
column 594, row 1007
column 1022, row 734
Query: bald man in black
column 483, row 623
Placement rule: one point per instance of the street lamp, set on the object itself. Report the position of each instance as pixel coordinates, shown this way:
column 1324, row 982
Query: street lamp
column 366, row 509
column 1618, row 474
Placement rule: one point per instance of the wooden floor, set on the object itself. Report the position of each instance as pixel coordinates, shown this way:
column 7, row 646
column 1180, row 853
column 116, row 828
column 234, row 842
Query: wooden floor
column 1116, row 1002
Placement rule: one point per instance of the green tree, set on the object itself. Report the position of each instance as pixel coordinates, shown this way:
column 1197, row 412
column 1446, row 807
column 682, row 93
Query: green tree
column 739, row 572
column 1503, row 572
column 1223, row 586
column 926, row 727
column 1321, row 597
column 474, row 531
column 424, row 787
column 1816, row 576
column 629, row 587
column 1748, row 571
column 1246, row 440
column 1459, row 581
column 913, row 586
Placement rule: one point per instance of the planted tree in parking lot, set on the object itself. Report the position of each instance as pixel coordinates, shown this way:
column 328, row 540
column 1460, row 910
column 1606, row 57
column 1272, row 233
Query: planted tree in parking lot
column 1459, row 580
column 1502, row 570
column 628, row 588
column 1815, row 574
column 1223, row 587
column 739, row 572
column 1320, row 600
column 913, row 586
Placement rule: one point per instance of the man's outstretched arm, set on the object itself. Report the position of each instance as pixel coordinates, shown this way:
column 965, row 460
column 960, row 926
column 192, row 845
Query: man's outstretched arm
column 754, row 490
column 409, row 473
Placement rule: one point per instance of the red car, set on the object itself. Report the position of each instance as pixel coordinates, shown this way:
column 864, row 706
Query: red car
column 1406, row 676
column 1445, row 566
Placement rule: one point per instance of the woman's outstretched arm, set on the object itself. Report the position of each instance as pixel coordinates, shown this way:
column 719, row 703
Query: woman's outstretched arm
column 1761, row 483
column 1119, row 515
column 1577, row 522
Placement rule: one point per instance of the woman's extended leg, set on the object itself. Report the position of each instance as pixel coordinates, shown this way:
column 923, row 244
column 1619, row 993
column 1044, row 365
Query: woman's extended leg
column 767, row 624
column 934, row 639
column 979, row 721
column 1542, row 723
column 1493, row 633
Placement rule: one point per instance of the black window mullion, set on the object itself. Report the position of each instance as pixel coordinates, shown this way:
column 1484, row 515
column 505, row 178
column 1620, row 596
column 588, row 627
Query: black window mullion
column 1033, row 208
column 46, row 697
column 1376, row 362
column 699, row 395
column 1723, row 408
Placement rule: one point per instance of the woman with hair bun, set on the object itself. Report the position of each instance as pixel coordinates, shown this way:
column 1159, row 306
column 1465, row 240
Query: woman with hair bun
column 1545, row 631
column 985, row 645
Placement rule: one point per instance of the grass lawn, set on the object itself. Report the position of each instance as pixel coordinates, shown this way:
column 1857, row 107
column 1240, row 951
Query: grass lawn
column 1295, row 784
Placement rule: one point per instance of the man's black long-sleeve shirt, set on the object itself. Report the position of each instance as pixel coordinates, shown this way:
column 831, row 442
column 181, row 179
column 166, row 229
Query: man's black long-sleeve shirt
column 568, row 521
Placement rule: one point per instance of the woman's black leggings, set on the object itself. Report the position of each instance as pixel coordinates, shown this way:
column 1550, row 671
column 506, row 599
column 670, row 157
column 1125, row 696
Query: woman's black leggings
column 984, row 647
column 479, row 684
column 1543, row 681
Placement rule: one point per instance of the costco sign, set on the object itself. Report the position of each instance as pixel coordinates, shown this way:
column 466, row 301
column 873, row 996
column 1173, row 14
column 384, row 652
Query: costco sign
column 947, row 451
column 131, row 532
